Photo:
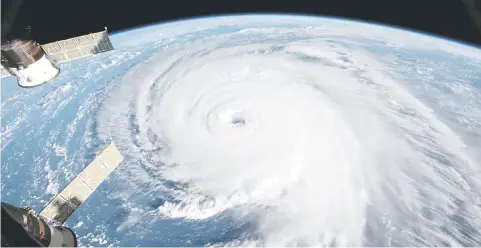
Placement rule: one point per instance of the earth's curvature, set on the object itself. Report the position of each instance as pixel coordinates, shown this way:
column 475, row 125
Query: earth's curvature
column 262, row 130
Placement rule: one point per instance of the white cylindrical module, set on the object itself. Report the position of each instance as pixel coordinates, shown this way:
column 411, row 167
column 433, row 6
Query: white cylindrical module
column 26, row 60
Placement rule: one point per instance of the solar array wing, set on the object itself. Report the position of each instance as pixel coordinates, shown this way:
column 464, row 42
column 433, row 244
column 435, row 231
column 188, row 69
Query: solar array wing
column 81, row 187
column 78, row 47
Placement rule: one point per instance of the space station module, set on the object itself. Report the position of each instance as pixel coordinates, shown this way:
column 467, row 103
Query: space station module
column 25, row 59
column 34, row 64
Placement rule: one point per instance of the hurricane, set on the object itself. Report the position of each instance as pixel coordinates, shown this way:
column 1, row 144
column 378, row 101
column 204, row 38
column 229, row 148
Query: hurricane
column 300, row 136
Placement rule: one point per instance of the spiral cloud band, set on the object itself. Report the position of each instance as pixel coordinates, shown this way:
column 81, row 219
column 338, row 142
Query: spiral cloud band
column 313, row 139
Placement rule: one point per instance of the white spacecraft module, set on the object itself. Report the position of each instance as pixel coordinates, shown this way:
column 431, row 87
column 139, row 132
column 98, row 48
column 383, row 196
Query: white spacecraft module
column 82, row 186
column 27, row 61
column 35, row 64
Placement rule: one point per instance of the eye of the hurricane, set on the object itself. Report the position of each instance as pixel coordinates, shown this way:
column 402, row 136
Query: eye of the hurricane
column 236, row 120
column 239, row 121
column 228, row 123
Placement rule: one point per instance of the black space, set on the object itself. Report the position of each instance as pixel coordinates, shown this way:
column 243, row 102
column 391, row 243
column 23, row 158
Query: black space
column 53, row 20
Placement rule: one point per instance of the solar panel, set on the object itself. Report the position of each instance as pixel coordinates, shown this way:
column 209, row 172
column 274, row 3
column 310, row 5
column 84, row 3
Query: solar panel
column 82, row 186
column 78, row 47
